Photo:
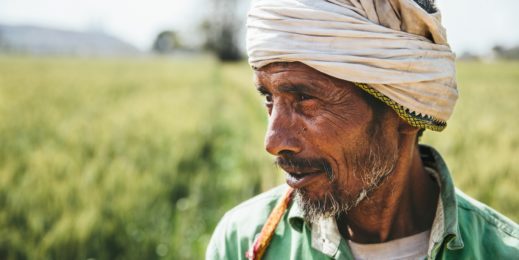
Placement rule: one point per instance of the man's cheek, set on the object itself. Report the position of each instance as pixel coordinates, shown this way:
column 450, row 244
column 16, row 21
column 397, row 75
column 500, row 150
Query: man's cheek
column 332, row 124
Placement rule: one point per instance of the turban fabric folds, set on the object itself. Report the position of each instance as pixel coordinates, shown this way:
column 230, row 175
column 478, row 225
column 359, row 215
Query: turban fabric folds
column 393, row 49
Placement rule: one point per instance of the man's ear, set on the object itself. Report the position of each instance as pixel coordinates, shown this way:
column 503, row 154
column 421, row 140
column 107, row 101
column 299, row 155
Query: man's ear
column 405, row 128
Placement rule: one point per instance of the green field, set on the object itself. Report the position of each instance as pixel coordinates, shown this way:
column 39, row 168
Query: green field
column 139, row 158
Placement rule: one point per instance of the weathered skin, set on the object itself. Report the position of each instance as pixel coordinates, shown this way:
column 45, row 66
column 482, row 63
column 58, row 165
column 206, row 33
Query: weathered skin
column 313, row 115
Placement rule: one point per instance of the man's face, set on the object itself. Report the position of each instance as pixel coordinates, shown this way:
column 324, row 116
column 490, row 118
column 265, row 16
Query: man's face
column 327, row 138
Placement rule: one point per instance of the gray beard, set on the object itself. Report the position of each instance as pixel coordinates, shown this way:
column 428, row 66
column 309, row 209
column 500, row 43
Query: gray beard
column 372, row 169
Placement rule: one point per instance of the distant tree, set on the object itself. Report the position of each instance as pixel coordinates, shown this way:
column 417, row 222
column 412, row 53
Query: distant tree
column 506, row 53
column 166, row 42
column 221, row 30
column 498, row 49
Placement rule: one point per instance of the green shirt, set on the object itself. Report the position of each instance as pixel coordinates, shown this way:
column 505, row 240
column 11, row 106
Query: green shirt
column 463, row 228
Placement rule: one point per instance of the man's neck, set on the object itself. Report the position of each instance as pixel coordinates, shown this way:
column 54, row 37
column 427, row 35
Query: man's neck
column 404, row 205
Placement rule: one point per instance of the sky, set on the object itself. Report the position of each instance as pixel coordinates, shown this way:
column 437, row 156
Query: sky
column 472, row 25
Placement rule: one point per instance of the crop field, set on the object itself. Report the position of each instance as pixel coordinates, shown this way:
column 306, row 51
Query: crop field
column 139, row 158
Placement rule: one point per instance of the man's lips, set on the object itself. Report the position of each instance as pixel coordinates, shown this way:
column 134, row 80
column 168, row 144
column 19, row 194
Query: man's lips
column 297, row 178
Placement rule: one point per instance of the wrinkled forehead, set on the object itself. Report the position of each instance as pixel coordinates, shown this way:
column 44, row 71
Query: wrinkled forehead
column 278, row 70
column 277, row 66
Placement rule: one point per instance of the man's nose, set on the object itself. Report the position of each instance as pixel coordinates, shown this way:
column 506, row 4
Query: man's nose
column 282, row 136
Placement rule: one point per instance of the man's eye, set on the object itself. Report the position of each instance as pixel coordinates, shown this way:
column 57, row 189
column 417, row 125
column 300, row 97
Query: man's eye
column 268, row 99
column 303, row 97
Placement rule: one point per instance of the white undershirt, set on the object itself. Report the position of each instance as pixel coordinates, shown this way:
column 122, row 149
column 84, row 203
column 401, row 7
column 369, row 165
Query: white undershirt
column 411, row 247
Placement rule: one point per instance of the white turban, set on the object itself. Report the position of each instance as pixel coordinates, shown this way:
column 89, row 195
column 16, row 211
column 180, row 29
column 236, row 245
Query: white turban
column 395, row 48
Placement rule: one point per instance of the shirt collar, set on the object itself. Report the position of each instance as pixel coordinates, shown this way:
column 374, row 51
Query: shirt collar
column 445, row 224
column 295, row 216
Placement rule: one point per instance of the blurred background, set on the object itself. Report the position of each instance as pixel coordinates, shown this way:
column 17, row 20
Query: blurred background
column 128, row 128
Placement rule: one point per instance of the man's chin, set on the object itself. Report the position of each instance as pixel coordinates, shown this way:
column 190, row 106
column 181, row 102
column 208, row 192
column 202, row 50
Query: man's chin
column 316, row 205
column 313, row 188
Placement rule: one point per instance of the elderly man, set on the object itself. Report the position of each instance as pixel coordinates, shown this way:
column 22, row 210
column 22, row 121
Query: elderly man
column 349, row 87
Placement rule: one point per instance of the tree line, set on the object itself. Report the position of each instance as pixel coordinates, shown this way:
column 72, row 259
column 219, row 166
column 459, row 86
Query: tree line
column 220, row 29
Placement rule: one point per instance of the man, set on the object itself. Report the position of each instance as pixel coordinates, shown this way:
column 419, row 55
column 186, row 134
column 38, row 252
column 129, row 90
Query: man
column 349, row 86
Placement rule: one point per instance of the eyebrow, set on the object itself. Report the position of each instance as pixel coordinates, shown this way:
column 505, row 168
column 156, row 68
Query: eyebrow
column 262, row 90
column 297, row 88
